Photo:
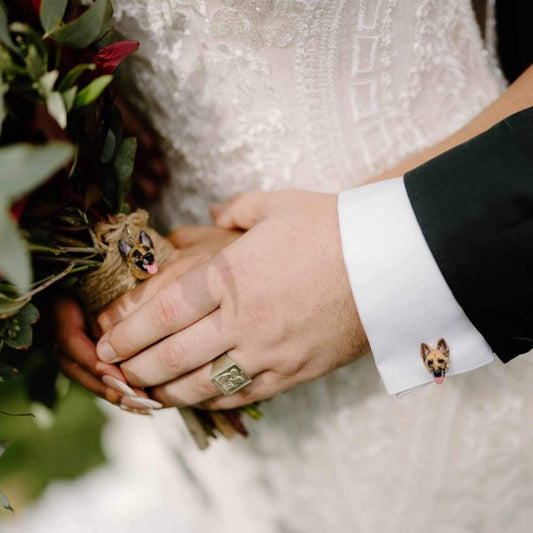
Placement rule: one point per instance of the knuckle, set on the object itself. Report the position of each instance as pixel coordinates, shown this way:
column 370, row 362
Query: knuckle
column 205, row 389
column 167, row 312
column 173, row 356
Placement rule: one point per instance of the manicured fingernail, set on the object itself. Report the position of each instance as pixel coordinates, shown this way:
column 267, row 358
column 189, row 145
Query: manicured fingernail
column 118, row 385
column 105, row 352
column 140, row 403
column 135, row 411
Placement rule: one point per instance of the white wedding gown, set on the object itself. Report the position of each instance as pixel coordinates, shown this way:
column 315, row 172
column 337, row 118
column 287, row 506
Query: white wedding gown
column 323, row 95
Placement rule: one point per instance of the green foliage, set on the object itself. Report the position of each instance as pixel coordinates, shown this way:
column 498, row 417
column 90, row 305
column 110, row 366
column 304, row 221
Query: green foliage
column 5, row 36
column 81, row 32
column 23, row 168
column 16, row 331
column 71, row 77
column 58, row 445
column 90, row 93
column 123, row 165
column 52, row 12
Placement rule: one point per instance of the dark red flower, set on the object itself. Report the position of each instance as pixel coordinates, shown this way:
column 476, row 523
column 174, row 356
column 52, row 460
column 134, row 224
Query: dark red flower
column 18, row 207
column 108, row 58
column 37, row 5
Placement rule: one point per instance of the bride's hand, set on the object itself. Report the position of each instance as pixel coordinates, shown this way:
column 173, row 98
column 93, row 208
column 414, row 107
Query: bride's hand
column 76, row 351
column 277, row 300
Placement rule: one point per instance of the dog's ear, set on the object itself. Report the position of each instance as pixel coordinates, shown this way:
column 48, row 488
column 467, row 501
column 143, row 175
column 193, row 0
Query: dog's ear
column 424, row 350
column 124, row 248
column 443, row 347
column 146, row 239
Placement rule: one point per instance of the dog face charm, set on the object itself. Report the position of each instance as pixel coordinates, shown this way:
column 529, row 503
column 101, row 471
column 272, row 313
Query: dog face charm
column 437, row 361
column 140, row 257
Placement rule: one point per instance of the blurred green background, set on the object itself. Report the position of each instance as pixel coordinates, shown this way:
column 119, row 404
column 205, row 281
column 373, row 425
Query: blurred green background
column 59, row 444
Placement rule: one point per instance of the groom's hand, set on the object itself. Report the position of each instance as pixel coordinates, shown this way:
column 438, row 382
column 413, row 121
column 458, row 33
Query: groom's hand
column 277, row 300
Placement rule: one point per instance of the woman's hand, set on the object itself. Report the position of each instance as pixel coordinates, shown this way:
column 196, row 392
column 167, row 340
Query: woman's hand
column 76, row 351
column 278, row 301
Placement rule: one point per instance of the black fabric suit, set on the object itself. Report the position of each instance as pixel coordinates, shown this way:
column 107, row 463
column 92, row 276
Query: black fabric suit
column 475, row 208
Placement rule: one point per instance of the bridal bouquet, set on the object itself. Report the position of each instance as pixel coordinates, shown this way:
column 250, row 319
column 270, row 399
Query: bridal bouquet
column 65, row 172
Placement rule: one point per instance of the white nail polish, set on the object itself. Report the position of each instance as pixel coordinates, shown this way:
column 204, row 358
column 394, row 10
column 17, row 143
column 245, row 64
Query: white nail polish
column 118, row 385
column 141, row 403
column 135, row 411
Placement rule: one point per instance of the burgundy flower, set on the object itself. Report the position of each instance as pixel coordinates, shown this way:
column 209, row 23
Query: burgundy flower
column 18, row 207
column 37, row 5
column 108, row 58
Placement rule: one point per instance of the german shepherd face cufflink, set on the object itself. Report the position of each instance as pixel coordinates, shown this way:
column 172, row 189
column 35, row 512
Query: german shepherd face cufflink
column 437, row 360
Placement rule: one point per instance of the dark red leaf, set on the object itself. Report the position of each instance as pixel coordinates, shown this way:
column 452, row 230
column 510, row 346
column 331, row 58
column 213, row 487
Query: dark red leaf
column 108, row 58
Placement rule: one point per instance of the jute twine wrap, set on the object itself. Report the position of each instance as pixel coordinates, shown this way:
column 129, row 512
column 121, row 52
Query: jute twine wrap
column 114, row 278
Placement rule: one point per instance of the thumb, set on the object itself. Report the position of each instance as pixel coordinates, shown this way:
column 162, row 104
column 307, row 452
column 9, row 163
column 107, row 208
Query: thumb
column 242, row 211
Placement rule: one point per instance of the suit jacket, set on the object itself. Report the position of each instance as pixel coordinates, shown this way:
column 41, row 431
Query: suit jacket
column 474, row 205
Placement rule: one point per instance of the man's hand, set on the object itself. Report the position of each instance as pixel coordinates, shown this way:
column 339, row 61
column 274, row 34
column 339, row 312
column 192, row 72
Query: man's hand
column 277, row 300
column 76, row 351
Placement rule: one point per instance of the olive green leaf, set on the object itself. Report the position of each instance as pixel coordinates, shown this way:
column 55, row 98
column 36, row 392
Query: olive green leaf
column 81, row 32
column 71, row 77
column 24, row 166
column 123, row 166
column 10, row 306
column 52, row 12
column 5, row 36
column 90, row 93
column 34, row 63
column 69, row 96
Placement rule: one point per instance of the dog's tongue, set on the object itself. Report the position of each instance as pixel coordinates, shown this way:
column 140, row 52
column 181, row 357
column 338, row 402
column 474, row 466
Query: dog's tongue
column 151, row 268
column 438, row 380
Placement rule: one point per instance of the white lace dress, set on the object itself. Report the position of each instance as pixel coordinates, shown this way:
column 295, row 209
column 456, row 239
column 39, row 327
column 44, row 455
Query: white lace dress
column 322, row 94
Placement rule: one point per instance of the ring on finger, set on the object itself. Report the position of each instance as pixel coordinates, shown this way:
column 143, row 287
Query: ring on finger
column 227, row 376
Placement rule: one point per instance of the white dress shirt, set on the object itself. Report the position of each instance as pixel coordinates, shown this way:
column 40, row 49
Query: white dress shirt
column 400, row 293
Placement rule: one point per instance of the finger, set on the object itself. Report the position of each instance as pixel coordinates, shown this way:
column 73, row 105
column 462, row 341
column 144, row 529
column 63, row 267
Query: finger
column 183, row 301
column 77, row 373
column 186, row 236
column 242, row 211
column 263, row 387
column 74, row 342
column 179, row 353
column 128, row 303
column 196, row 387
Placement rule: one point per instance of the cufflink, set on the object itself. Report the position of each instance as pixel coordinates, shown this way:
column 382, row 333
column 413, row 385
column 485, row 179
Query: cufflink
column 436, row 360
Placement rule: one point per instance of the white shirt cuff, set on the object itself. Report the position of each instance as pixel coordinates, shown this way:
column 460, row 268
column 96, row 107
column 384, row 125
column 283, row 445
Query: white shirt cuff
column 400, row 293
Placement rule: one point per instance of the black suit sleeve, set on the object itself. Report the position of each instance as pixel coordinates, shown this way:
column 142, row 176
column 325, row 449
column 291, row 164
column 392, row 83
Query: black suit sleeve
column 474, row 205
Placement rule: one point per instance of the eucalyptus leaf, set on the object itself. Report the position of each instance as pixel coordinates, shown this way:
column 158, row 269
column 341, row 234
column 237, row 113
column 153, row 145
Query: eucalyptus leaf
column 123, row 166
column 108, row 150
column 52, row 12
column 56, row 107
column 5, row 36
column 81, row 32
column 24, row 166
column 10, row 306
column 68, row 97
column 71, row 77
column 5, row 502
column 90, row 93
column 15, row 265
column 27, row 316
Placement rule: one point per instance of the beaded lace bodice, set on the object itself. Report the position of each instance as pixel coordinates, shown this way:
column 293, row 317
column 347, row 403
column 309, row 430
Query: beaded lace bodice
column 316, row 94
column 324, row 94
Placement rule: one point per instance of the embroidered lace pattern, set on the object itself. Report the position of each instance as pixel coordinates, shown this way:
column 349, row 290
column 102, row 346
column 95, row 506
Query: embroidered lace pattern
column 324, row 94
